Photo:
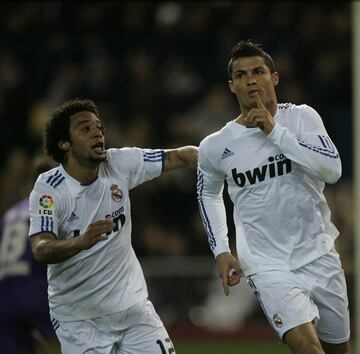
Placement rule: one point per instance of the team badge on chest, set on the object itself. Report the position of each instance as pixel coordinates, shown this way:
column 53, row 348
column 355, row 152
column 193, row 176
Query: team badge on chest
column 116, row 193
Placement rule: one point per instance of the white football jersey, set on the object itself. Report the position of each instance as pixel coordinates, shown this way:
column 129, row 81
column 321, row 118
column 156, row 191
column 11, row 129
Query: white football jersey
column 276, row 183
column 107, row 277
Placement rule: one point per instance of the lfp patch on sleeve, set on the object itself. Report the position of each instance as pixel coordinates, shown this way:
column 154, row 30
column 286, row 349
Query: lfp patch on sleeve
column 46, row 203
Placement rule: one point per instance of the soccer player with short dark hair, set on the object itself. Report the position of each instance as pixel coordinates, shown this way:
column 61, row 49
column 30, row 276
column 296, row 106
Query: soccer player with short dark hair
column 276, row 159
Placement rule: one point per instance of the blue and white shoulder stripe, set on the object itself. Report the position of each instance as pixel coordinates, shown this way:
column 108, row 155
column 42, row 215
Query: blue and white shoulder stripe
column 55, row 179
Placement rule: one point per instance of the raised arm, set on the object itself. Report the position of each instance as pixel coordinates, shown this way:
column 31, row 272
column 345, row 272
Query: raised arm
column 309, row 145
column 185, row 156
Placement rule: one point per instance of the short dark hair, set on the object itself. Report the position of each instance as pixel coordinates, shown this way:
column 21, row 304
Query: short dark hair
column 58, row 125
column 249, row 49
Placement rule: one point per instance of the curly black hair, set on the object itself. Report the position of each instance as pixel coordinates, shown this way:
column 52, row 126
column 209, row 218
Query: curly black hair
column 249, row 49
column 58, row 126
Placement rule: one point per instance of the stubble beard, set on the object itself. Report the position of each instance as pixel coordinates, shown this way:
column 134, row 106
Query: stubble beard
column 97, row 160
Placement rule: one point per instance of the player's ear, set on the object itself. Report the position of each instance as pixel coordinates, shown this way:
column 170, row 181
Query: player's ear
column 275, row 78
column 231, row 86
column 64, row 145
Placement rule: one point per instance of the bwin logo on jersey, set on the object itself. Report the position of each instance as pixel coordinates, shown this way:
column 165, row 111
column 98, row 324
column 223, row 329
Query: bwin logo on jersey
column 278, row 166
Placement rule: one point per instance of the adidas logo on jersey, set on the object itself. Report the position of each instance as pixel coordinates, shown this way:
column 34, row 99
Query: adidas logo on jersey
column 227, row 153
column 72, row 217
column 278, row 166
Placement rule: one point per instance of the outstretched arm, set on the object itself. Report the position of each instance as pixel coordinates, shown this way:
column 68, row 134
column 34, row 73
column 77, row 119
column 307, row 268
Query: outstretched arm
column 185, row 156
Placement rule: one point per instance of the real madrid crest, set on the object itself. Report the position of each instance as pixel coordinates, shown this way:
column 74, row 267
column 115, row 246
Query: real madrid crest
column 277, row 320
column 116, row 193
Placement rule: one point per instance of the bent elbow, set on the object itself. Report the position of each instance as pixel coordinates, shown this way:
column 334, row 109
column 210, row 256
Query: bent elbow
column 38, row 250
column 332, row 176
column 333, row 179
column 38, row 255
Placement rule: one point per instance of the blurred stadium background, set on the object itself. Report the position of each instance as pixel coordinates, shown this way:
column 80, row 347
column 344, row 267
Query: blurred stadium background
column 157, row 71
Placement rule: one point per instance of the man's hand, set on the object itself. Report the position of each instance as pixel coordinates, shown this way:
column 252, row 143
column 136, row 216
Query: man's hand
column 260, row 116
column 229, row 270
column 47, row 249
column 95, row 233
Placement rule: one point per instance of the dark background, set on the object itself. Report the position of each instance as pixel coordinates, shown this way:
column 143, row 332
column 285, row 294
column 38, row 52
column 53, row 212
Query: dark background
column 157, row 71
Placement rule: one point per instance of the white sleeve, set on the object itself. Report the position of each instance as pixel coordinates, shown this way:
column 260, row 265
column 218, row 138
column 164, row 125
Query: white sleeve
column 141, row 165
column 310, row 146
column 150, row 165
column 44, row 206
column 210, row 185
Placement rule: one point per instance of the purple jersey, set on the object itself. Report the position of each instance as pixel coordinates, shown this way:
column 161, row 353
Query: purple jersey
column 23, row 284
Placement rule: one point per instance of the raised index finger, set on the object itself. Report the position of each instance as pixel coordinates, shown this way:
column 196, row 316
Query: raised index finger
column 258, row 100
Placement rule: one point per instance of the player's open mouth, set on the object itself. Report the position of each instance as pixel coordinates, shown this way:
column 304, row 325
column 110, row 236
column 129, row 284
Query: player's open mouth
column 98, row 147
column 253, row 93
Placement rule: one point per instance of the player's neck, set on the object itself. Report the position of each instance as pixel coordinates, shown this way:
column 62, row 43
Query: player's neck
column 85, row 174
column 272, row 107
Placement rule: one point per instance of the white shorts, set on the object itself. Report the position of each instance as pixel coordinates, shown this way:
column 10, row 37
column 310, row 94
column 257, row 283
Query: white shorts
column 315, row 292
column 137, row 330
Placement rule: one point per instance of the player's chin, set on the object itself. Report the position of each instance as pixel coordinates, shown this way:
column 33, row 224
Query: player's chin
column 98, row 158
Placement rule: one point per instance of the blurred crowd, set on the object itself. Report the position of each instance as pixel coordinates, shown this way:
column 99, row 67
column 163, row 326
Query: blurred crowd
column 157, row 71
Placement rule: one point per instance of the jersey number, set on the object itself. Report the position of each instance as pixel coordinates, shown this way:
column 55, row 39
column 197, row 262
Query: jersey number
column 162, row 347
column 120, row 218
column 12, row 247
